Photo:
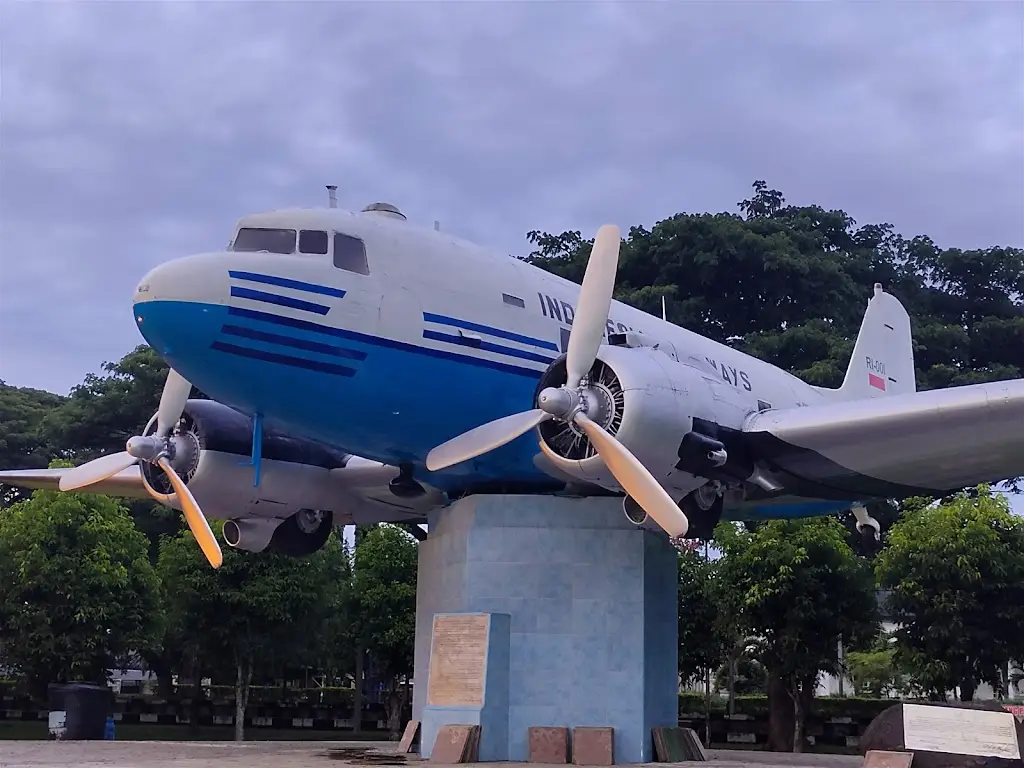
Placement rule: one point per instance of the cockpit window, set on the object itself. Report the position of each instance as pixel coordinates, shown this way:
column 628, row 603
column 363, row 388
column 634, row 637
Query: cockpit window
column 271, row 240
column 350, row 254
column 312, row 241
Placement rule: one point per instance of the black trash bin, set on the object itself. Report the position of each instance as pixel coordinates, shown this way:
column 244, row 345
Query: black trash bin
column 78, row 711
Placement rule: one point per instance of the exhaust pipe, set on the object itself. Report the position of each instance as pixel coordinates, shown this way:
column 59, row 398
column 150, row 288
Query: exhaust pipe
column 252, row 534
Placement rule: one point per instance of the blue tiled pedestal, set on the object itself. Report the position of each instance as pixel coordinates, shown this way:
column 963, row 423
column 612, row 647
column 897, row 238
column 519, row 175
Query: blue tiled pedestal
column 591, row 607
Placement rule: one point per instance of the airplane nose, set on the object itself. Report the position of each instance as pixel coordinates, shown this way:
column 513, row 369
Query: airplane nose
column 180, row 304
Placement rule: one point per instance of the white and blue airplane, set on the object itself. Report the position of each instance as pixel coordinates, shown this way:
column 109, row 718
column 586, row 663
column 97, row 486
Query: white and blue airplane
column 361, row 369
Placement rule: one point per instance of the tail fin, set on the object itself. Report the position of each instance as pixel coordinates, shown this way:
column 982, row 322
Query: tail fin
column 883, row 358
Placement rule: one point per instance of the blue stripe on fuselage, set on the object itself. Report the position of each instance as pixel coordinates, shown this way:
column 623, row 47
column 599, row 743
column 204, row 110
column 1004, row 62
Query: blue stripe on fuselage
column 287, row 282
column 487, row 346
column 468, row 325
column 275, row 298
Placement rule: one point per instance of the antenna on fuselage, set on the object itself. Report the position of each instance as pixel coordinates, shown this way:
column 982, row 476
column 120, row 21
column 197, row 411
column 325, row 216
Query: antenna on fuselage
column 664, row 312
column 437, row 225
column 332, row 197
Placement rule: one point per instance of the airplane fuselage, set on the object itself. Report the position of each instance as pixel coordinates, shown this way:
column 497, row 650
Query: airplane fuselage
column 386, row 358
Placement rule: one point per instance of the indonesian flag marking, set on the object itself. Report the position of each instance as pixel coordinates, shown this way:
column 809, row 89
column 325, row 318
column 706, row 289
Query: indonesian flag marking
column 876, row 381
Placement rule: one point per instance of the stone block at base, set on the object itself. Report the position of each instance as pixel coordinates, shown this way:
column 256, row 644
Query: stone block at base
column 549, row 745
column 591, row 600
column 593, row 746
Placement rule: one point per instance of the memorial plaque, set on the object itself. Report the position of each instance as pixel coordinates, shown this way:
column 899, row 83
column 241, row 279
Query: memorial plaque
column 958, row 731
column 458, row 661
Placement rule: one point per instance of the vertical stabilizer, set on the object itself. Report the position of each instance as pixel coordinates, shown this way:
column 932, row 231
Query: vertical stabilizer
column 883, row 358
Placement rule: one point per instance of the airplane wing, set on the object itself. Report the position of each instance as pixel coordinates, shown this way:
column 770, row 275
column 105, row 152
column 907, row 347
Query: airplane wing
column 363, row 492
column 922, row 443
column 127, row 483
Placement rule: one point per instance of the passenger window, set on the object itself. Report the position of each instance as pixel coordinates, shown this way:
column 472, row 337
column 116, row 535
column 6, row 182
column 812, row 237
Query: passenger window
column 252, row 239
column 350, row 254
column 312, row 241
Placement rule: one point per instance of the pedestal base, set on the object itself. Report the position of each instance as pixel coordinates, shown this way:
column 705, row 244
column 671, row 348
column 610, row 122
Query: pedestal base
column 592, row 606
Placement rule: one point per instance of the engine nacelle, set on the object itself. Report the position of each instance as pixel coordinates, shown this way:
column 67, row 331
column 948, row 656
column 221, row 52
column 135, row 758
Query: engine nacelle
column 213, row 453
column 643, row 397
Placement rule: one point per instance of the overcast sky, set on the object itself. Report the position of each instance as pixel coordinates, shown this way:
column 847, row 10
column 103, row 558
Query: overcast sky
column 135, row 132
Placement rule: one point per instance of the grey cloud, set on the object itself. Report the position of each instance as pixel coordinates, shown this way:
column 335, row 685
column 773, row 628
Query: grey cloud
column 135, row 132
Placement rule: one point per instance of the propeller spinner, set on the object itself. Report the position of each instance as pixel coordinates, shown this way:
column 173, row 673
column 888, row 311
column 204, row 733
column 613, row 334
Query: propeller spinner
column 569, row 403
column 157, row 449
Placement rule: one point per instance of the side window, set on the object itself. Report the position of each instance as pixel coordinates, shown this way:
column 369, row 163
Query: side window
column 312, row 241
column 350, row 254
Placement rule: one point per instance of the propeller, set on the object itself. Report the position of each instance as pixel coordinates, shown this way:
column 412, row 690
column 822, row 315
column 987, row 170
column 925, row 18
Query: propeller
column 157, row 449
column 569, row 403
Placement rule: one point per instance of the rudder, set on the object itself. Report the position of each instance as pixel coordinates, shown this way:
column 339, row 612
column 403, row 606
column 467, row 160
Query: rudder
column 883, row 357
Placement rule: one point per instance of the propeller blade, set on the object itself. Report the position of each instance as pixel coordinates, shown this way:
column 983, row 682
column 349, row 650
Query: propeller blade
column 635, row 479
column 588, row 325
column 96, row 470
column 194, row 516
column 484, row 438
column 172, row 402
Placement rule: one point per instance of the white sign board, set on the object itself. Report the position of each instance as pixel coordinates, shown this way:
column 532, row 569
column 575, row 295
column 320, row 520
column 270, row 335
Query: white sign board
column 974, row 732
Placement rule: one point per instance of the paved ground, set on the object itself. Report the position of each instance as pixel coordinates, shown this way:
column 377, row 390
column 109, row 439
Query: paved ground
column 322, row 754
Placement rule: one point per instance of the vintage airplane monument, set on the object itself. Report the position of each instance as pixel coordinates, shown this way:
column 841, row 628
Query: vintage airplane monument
column 364, row 369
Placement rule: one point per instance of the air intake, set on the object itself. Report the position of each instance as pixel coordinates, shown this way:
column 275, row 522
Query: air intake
column 384, row 209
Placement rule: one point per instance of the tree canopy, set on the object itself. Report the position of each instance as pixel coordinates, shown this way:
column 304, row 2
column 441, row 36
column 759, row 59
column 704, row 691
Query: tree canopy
column 798, row 588
column 77, row 590
column 955, row 575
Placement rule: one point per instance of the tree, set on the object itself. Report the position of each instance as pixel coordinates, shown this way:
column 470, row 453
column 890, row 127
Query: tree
column 384, row 591
column 22, row 445
column 797, row 587
column 77, row 590
column 956, row 575
column 255, row 614
column 702, row 644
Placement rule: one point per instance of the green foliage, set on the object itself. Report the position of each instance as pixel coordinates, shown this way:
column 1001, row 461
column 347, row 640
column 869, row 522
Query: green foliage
column 258, row 610
column 956, row 575
column 751, row 678
column 384, row 593
column 22, row 445
column 77, row 590
column 874, row 672
column 702, row 643
column 798, row 587
column 104, row 411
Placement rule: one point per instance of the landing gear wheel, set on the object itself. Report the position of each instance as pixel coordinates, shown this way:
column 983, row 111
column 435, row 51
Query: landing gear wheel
column 303, row 533
column 704, row 508
column 869, row 528
column 870, row 537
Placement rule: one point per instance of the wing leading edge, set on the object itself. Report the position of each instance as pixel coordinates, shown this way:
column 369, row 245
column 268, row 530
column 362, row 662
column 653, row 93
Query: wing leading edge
column 127, row 483
column 917, row 443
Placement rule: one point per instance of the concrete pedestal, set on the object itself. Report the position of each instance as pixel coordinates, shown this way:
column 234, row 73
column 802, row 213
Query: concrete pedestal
column 591, row 601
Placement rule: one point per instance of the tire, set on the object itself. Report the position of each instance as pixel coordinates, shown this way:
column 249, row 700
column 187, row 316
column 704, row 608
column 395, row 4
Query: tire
column 702, row 520
column 296, row 538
